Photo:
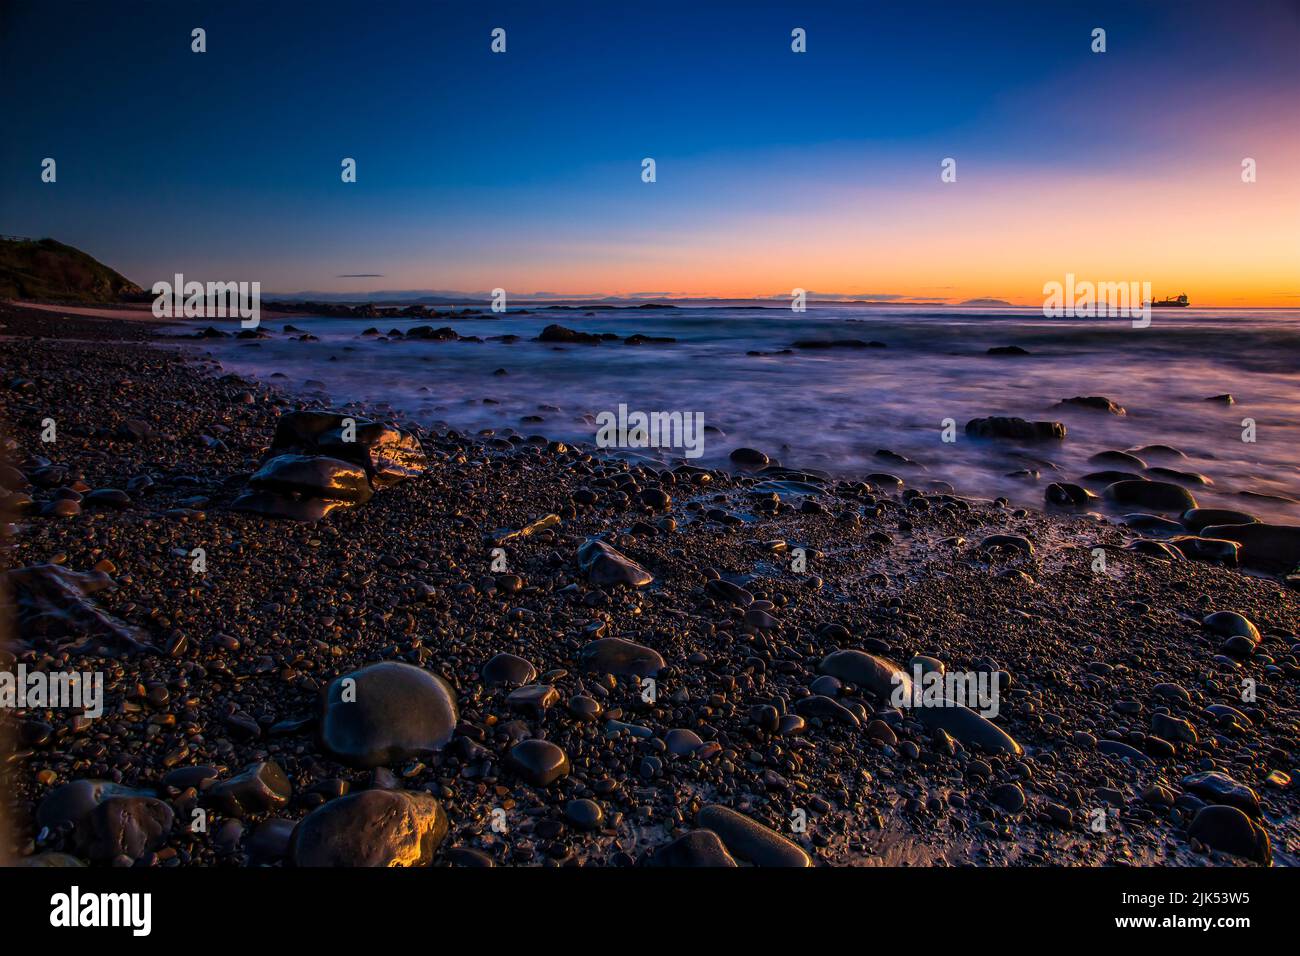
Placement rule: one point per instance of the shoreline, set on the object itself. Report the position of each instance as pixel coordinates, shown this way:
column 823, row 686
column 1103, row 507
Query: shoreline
column 284, row 607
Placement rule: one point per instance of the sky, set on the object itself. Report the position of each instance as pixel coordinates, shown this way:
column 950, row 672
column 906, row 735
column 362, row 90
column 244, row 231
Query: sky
column 775, row 170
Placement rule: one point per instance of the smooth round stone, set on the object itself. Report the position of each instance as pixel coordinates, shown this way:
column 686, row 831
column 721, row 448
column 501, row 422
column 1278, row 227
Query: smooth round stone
column 750, row 840
column 682, row 742
column 1230, row 831
column 393, row 712
column 656, row 498
column 613, row 655
column 1231, row 624
column 826, row 709
column 540, row 762
column 584, row 708
column 1156, row 495
column 508, row 669
column 1197, row 520
column 584, row 814
column 928, row 665
column 467, row 857
column 1009, row 796
column 371, row 828
column 699, row 848
column 827, row 686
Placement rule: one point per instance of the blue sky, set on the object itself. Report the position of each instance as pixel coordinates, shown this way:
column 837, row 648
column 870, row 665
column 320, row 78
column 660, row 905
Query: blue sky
column 523, row 169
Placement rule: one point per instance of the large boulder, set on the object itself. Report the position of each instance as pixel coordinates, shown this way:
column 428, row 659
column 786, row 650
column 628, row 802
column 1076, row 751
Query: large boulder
column 371, row 828
column 315, row 476
column 386, row 713
column 750, row 840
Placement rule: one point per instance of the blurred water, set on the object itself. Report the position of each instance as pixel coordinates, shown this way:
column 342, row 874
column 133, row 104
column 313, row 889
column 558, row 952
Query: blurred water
column 832, row 409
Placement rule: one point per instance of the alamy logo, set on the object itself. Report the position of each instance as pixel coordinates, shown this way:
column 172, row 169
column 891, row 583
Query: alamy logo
column 684, row 430
column 215, row 300
column 1088, row 300
column 73, row 909
column 977, row 690
column 38, row 690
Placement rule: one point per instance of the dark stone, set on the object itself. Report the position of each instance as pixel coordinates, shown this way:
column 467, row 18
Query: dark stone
column 613, row 655
column 699, row 848
column 371, row 828
column 394, row 712
column 750, row 840
column 1230, row 831
column 1015, row 429
column 258, row 788
column 539, row 762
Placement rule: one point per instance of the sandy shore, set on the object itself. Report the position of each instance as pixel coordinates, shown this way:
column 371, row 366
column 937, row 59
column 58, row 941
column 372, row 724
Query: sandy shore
column 1117, row 703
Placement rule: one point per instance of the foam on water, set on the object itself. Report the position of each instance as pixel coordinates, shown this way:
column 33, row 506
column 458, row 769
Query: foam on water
column 832, row 409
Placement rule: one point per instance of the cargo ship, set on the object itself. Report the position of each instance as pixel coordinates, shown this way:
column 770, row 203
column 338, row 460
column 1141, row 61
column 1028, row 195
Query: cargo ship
column 1175, row 302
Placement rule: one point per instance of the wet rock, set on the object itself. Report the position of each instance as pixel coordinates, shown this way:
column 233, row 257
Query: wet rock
column 749, row 457
column 1197, row 520
column 1015, row 429
column 1196, row 548
column 558, row 333
column 1063, row 494
column 1215, row 787
column 1272, row 547
column 1007, row 350
column 371, row 828
column 1230, row 831
column 733, row 594
column 509, row 670
column 534, row 699
column 106, row 499
column 122, row 826
column 683, row 742
column 386, row 713
column 1096, row 402
column 1009, row 796
column 72, row 802
column 584, row 814
column 386, row 453
column 54, row 602
column 314, row 476
column 1121, row 458
column 875, row 674
column 259, row 788
column 750, row 840
column 289, row 505
column 1007, row 542
column 506, row 535
column 967, row 726
column 699, row 848
column 614, row 655
column 539, row 762
column 1229, row 623
column 606, row 566
column 826, row 709
column 1156, row 495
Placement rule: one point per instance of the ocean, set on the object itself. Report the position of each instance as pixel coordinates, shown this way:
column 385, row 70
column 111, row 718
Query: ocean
column 834, row 409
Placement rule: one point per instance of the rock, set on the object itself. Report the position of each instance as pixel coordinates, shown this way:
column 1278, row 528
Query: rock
column 875, row 674
column 371, row 828
column 826, row 709
column 1122, row 458
column 749, row 458
column 1272, row 547
column 733, row 594
column 750, row 840
column 291, row 506
column 1152, row 524
column 1007, row 350
column 1065, row 495
column 1015, row 429
column 386, row 453
column 558, row 333
column 72, row 802
column 967, row 726
column 1196, row 548
column 1097, row 402
column 1009, row 796
column 129, row 826
column 584, row 814
column 386, row 713
column 656, row 498
column 539, row 762
column 314, row 476
column 1173, row 728
column 1123, row 751
column 605, row 566
column 1182, row 477
column 613, row 655
column 1197, row 520
column 1228, row 623
column 259, row 788
column 269, row 841
column 534, row 699
column 1156, row 495
column 107, row 499
column 699, row 848
column 54, row 602
column 1229, row 830
column 1011, row 542
column 506, row 535
column 683, row 742
column 1215, row 787
column 509, row 670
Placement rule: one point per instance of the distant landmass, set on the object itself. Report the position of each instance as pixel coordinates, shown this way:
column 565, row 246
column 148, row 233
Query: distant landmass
column 49, row 270
column 988, row 302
